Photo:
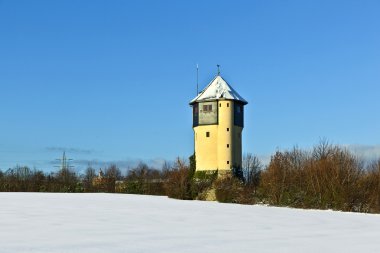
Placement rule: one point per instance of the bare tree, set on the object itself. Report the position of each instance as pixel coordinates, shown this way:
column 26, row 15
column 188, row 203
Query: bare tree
column 178, row 183
column 113, row 172
column 88, row 179
column 252, row 167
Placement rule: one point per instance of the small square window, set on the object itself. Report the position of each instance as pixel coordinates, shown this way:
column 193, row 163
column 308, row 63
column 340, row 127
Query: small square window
column 207, row 134
column 228, row 162
column 209, row 108
column 228, row 129
column 228, row 145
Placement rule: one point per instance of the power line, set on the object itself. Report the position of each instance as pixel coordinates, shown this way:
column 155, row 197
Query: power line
column 65, row 162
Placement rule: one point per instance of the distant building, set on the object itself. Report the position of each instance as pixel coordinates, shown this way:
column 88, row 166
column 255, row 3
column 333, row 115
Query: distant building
column 103, row 183
column 218, row 121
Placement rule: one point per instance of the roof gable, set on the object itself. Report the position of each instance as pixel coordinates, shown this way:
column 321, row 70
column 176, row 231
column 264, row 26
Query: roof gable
column 218, row 88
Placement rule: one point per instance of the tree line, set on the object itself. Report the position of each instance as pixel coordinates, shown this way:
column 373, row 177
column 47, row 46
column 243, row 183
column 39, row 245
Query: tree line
column 327, row 177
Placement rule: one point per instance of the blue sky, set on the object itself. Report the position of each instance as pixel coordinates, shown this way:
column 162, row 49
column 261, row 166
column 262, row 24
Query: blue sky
column 110, row 81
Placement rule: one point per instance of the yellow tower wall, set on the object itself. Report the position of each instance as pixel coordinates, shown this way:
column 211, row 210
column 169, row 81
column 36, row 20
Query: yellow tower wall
column 206, row 147
column 226, row 121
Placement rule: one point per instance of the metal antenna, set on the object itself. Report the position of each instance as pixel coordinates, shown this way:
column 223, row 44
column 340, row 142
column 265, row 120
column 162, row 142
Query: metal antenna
column 218, row 69
column 197, row 77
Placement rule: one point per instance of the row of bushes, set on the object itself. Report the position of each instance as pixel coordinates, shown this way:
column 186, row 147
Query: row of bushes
column 23, row 179
column 176, row 180
column 328, row 177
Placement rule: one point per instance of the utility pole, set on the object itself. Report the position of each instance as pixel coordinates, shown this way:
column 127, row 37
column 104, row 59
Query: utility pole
column 64, row 162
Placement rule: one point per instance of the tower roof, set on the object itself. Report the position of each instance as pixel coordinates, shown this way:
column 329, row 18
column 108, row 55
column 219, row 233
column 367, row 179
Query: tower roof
column 218, row 88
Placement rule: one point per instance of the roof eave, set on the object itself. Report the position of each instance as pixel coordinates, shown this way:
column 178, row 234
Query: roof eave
column 217, row 99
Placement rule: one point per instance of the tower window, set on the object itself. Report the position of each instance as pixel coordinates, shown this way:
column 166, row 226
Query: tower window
column 228, row 145
column 220, row 104
column 228, row 104
column 207, row 108
column 207, row 134
column 228, row 129
column 228, row 162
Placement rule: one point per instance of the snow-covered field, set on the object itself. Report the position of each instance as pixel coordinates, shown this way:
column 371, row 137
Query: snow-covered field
column 49, row 222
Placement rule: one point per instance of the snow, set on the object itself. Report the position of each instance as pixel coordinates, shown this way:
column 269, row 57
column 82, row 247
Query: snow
column 218, row 88
column 54, row 222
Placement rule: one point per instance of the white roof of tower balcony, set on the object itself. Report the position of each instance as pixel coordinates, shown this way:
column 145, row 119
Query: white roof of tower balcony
column 218, row 88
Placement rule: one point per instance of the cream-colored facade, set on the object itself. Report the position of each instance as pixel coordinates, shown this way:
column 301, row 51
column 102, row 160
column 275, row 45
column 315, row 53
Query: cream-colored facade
column 218, row 143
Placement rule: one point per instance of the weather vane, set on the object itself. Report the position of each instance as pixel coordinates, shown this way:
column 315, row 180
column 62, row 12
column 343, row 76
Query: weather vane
column 218, row 69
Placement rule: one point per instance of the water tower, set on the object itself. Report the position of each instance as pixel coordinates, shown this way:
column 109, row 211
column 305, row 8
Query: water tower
column 218, row 121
